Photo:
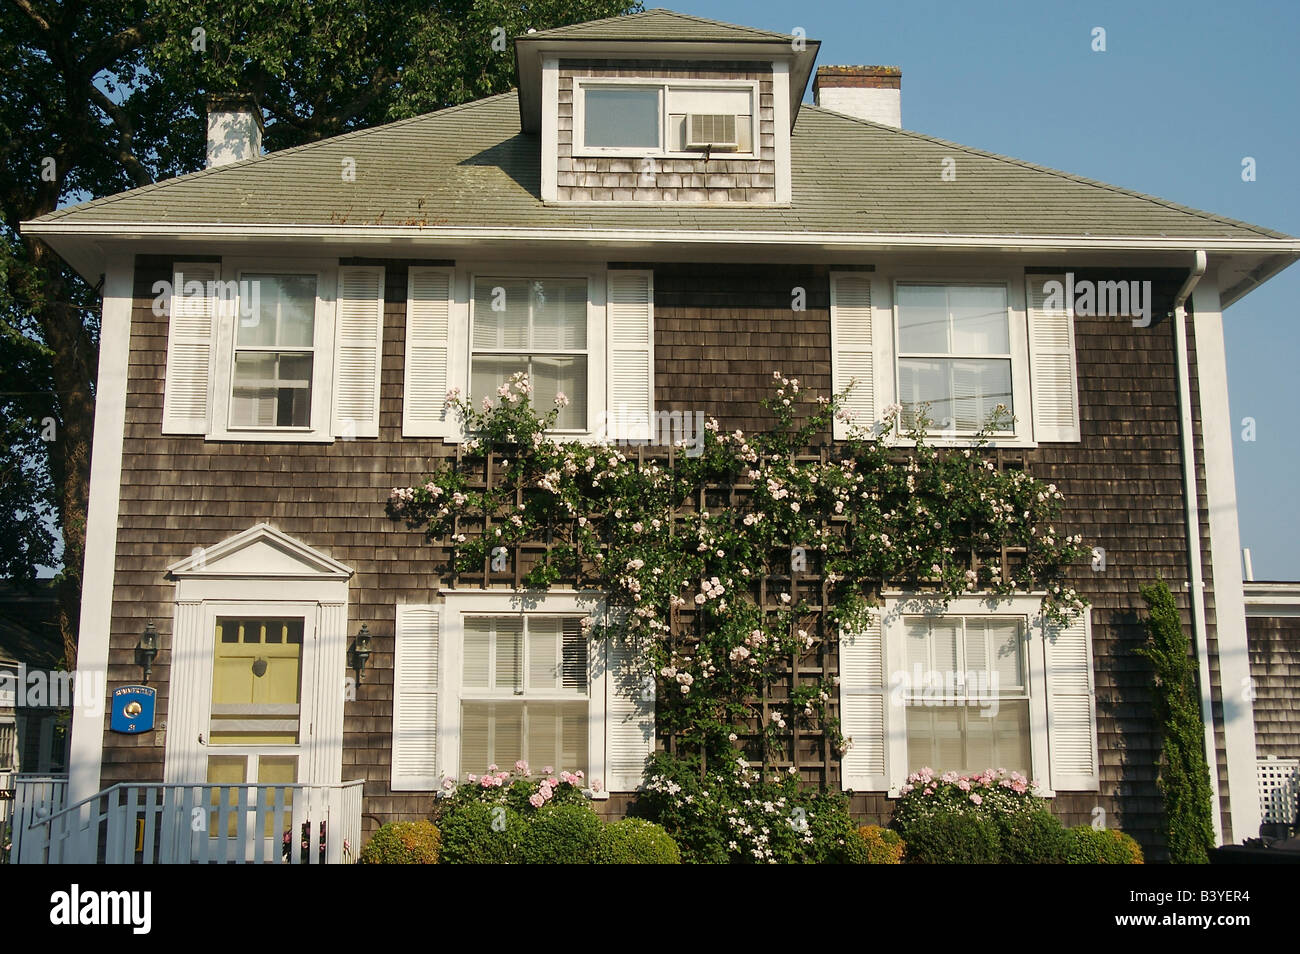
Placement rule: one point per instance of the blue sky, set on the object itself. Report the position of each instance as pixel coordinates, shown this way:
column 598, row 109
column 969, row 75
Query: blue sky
column 1184, row 91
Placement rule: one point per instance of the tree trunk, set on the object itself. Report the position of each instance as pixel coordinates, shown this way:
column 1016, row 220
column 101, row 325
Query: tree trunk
column 75, row 363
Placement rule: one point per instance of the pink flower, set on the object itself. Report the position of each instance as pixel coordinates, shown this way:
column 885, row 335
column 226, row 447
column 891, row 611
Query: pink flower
column 963, row 785
column 487, row 781
column 975, row 797
column 553, row 782
column 547, row 769
column 492, row 767
column 536, row 800
column 521, row 767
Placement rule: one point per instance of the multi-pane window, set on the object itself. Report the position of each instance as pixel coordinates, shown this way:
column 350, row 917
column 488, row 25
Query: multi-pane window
column 257, row 681
column 274, row 352
column 524, row 693
column 8, row 745
column 537, row 328
column 954, row 354
column 966, row 694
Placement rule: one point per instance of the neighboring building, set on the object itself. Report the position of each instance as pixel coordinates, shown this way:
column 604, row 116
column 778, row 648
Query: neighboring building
column 33, row 738
column 659, row 180
column 1273, row 636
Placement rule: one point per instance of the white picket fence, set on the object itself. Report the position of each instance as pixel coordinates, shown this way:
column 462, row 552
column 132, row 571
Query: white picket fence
column 154, row 823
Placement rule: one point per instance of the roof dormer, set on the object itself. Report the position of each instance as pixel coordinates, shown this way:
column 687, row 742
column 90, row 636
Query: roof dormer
column 662, row 107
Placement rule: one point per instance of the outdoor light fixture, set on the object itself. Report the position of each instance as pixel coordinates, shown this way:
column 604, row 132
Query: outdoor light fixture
column 147, row 651
column 361, row 651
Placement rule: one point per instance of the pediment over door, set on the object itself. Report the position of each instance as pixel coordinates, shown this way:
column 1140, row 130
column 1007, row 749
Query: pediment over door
column 260, row 552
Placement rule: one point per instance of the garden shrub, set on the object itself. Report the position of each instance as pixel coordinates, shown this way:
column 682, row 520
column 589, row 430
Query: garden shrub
column 882, row 846
column 736, row 816
column 953, row 838
column 562, row 835
column 403, row 843
column 1100, row 846
column 635, row 841
column 1032, row 838
column 475, row 833
column 989, row 794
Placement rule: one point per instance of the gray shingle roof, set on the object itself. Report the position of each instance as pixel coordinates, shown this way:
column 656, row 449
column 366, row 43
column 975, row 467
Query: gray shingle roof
column 470, row 166
column 658, row 24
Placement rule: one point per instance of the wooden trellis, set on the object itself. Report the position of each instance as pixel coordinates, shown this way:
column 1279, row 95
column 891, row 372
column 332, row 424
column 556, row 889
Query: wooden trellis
column 806, row 748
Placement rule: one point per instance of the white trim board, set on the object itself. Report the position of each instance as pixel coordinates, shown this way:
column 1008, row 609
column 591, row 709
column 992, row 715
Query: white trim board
column 86, row 754
column 1225, row 548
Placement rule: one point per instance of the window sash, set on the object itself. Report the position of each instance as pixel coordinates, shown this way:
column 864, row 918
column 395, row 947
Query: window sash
column 954, row 356
column 576, row 415
column 1006, row 737
column 961, row 667
column 520, row 688
column 234, row 399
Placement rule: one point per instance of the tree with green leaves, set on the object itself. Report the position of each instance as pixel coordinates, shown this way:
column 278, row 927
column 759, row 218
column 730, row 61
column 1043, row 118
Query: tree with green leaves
column 1184, row 772
column 100, row 97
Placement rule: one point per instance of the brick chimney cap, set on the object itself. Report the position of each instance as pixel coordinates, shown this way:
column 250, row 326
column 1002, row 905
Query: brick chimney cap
column 858, row 77
column 863, row 70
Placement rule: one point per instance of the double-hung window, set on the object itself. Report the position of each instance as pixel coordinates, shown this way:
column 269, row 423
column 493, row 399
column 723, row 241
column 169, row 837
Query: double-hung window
column 967, row 693
column 537, row 327
column 955, row 355
column 274, row 352
column 524, row 692
column 966, row 686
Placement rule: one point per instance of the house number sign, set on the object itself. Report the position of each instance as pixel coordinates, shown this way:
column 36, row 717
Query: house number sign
column 133, row 710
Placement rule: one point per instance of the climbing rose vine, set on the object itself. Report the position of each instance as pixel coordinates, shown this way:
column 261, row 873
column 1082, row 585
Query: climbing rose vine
column 683, row 582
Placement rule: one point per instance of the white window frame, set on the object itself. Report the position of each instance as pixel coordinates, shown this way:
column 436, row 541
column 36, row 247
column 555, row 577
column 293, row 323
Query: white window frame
column 664, row 86
column 319, row 430
column 885, row 350
column 586, row 352
column 460, row 341
column 457, row 605
column 898, row 606
column 9, row 750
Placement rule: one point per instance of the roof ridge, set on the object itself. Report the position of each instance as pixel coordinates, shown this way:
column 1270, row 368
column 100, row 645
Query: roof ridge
column 1073, row 177
column 244, row 163
column 661, row 11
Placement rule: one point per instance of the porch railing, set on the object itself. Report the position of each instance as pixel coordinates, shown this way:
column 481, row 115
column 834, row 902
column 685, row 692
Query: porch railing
column 1279, row 790
column 156, row 823
column 27, row 797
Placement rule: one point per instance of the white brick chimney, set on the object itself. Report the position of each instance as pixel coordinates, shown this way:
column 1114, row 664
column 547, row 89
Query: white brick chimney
column 234, row 128
column 864, row 92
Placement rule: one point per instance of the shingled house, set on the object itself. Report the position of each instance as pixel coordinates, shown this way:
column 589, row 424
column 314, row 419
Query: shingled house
column 661, row 182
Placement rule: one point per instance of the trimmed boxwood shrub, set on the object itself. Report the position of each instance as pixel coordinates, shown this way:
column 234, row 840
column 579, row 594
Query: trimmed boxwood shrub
column 563, row 835
column 634, row 841
column 1034, row 838
column 1105, row 846
column 953, row 838
column 403, row 843
column 881, row 845
column 469, row 838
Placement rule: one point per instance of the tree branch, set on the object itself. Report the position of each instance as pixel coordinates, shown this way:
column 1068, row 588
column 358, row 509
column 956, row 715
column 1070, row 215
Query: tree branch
column 125, row 153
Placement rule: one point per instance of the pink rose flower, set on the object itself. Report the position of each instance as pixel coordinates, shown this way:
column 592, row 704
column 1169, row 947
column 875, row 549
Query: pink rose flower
column 488, row 781
column 975, row 797
column 536, row 800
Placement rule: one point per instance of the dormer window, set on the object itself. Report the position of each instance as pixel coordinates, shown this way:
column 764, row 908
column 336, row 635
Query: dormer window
column 683, row 118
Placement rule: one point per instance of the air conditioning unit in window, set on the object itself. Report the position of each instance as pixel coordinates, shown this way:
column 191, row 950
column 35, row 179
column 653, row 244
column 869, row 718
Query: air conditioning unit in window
column 715, row 132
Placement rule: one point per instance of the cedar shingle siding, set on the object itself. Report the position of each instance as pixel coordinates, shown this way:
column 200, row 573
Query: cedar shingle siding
column 719, row 333
column 1274, row 643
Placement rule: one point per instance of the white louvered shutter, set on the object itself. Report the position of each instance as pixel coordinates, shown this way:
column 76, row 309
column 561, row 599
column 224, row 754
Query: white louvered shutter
column 1071, row 706
column 186, row 395
column 428, row 325
column 852, row 358
column 864, row 717
column 629, row 716
column 357, row 358
column 1052, row 363
column 631, row 355
column 415, row 700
